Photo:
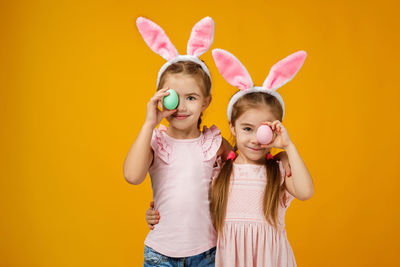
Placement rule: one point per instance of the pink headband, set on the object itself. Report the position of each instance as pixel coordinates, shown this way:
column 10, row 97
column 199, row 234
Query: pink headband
column 236, row 74
column 199, row 42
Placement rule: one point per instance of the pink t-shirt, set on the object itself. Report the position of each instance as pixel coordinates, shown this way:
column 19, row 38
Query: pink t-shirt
column 181, row 176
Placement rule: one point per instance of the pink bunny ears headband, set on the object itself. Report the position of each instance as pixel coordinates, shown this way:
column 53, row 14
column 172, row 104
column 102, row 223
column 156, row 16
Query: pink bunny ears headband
column 236, row 74
column 199, row 42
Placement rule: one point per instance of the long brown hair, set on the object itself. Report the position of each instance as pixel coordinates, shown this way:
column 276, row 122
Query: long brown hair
column 190, row 68
column 273, row 190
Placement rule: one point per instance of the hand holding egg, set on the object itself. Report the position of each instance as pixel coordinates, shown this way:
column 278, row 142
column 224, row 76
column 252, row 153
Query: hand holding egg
column 171, row 101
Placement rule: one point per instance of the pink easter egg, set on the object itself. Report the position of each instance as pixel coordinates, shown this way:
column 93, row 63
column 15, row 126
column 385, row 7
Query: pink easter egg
column 264, row 134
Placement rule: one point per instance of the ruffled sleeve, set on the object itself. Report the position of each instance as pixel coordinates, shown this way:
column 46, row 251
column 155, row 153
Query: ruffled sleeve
column 160, row 145
column 210, row 142
column 288, row 196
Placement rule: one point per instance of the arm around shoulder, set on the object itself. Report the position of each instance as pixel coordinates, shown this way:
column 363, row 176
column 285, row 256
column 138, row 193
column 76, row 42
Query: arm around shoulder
column 224, row 149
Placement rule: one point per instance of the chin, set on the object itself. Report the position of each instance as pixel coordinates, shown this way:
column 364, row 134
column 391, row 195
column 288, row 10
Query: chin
column 258, row 157
column 254, row 158
column 181, row 125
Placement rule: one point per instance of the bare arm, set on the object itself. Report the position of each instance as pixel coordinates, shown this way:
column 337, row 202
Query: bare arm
column 140, row 156
column 300, row 184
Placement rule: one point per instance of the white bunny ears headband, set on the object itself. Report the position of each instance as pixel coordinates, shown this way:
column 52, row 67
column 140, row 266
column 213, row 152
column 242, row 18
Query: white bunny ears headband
column 236, row 74
column 199, row 42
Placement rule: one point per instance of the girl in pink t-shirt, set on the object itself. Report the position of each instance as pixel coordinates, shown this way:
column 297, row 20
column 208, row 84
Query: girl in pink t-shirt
column 181, row 159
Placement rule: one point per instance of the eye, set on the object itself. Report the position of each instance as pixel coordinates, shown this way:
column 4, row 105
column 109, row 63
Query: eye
column 191, row 98
column 247, row 129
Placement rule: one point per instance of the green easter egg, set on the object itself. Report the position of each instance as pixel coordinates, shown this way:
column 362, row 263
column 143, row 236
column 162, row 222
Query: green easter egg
column 171, row 101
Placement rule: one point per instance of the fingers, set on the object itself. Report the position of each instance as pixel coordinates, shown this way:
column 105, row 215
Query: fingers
column 266, row 123
column 274, row 125
column 152, row 216
column 157, row 97
column 152, row 204
column 160, row 94
column 152, row 221
column 163, row 91
column 151, row 212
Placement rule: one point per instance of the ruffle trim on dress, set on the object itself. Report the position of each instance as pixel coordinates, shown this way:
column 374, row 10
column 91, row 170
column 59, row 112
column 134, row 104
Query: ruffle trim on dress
column 160, row 145
column 210, row 142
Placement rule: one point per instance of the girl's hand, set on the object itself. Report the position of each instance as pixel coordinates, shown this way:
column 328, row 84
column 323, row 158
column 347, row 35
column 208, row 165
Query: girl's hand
column 281, row 136
column 154, row 115
column 152, row 216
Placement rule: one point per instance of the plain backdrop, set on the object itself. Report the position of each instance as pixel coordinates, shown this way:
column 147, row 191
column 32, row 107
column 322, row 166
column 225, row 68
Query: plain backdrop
column 75, row 80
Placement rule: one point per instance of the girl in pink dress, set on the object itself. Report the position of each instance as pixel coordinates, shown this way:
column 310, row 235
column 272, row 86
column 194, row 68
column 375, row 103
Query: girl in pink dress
column 251, row 194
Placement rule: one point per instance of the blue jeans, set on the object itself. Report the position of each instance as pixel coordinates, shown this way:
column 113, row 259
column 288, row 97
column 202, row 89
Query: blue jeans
column 153, row 258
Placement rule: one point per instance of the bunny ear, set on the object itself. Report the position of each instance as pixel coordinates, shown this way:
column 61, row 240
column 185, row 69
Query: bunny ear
column 232, row 69
column 201, row 37
column 156, row 39
column 283, row 71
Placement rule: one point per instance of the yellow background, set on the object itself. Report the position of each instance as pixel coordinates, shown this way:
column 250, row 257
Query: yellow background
column 75, row 80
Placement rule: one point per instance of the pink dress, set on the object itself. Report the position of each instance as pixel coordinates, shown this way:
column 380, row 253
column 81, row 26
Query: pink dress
column 181, row 176
column 248, row 239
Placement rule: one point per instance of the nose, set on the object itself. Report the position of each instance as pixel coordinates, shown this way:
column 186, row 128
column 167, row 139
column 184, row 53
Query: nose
column 253, row 138
column 181, row 105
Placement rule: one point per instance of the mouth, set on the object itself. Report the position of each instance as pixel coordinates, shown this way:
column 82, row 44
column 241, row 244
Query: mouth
column 256, row 149
column 180, row 116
